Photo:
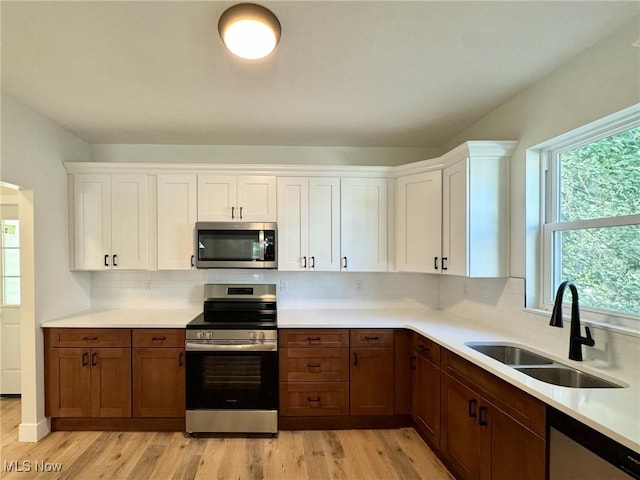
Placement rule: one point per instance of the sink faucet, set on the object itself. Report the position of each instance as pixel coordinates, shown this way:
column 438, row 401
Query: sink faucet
column 575, row 339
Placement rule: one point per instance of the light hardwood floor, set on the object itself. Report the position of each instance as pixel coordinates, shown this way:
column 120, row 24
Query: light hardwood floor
column 327, row 454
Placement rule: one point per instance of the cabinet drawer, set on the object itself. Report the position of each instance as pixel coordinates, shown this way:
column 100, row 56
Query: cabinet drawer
column 425, row 347
column 519, row 405
column 372, row 338
column 314, row 364
column 160, row 337
column 89, row 337
column 314, row 399
column 314, row 338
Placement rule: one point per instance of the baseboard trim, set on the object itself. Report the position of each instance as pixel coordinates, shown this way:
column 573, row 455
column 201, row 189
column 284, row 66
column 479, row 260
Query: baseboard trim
column 125, row 424
column 32, row 432
column 344, row 422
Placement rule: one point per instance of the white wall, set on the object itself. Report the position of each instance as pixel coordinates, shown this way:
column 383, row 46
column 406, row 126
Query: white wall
column 33, row 149
column 256, row 154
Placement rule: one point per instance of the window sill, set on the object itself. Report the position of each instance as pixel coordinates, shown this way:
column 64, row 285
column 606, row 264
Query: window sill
column 621, row 329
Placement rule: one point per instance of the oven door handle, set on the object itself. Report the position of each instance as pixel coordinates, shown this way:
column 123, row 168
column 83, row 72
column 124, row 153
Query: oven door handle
column 203, row 347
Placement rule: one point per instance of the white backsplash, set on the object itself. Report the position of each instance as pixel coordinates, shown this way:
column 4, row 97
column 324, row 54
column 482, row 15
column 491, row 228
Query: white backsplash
column 496, row 303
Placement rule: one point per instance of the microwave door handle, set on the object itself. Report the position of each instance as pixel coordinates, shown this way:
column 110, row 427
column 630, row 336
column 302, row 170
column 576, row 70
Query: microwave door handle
column 261, row 240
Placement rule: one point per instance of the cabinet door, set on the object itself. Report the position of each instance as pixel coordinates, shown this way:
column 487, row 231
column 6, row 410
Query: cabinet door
column 460, row 435
column 324, row 224
column 293, row 224
column 176, row 220
column 111, row 382
column 419, row 223
column 68, row 382
column 217, row 198
column 158, row 382
column 372, row 387
column 129, row 222
column 425, row 407
column 363, row 225
column 92, row 221
column 257, row 199
column 455, row 221
column 508, row 449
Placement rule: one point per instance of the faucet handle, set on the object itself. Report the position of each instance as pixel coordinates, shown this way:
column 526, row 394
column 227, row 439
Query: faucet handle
column 589, row 341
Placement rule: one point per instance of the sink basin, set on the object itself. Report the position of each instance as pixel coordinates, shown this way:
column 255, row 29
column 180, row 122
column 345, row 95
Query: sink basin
column 509, row 354
column 566, row 377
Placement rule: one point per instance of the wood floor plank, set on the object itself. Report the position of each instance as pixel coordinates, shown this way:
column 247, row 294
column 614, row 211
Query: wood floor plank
column 293, row 455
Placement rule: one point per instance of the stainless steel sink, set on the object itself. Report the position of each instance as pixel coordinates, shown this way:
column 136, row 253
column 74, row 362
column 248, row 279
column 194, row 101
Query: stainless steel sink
column 540, row 367
column 566, row 377
column 509, row 354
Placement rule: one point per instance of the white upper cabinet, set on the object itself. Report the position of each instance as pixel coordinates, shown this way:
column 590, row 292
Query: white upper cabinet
column 363, row 225
column 224, row 198
column 176, row 221
column 308, row 224
column 419, row 222
column 111, row 225
column 475, row 213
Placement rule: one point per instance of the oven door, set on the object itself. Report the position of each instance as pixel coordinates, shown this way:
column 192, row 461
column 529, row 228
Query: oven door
column 232, row 380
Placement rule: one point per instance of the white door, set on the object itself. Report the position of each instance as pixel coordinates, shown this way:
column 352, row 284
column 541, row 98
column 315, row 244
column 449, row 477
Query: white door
column 419, row 223
column 324, row 224
column 256, row 199
column 293, row 223
column 363, row 225
column 455, row 219
column 176, row 221
column 129, row 222
column 92, row 221
column 217, row 198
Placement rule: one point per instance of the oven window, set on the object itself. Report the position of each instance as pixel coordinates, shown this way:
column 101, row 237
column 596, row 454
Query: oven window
column 231, row 373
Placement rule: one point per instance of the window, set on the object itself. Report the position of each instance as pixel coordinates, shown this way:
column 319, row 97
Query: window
column 10, row 262
column 592, row 227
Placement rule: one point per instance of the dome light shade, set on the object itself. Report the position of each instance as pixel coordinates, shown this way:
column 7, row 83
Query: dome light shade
column 249, row 30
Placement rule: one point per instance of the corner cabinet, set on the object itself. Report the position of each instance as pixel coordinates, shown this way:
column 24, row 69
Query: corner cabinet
column 475, row 210
column 225, row 198
column 110, row 222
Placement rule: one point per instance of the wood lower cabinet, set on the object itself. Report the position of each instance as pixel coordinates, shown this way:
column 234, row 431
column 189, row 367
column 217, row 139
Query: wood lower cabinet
column 490, row 429
column 158, row 373
column 89, row 381
column 371, row 387
column 425, row 405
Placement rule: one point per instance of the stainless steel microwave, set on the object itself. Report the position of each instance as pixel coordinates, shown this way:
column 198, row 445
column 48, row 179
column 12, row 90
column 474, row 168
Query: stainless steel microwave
column 236, row 245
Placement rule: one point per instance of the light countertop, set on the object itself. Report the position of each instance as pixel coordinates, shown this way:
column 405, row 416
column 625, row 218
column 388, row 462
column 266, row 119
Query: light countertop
column 614, row 412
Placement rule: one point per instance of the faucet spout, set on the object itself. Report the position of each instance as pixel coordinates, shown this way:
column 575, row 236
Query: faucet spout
column 576, row 340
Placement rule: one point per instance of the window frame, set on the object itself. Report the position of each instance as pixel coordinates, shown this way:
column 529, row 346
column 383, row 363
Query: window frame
column 550, row 208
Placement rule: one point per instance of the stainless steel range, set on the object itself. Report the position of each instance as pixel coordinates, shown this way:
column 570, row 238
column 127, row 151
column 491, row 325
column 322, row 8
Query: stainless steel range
column 232, row 361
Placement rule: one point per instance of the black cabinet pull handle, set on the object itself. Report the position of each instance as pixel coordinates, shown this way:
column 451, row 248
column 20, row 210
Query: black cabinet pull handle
column 444, row 263
column 233, row 213
column 85, row 359
column 240, row 213
column 355, row 359
column 372, row 339
column 158, row 339
column 313, row 399
column 304, row 259
column 313, row 365
column 89, row 339
column 482, row 416
column 115, row 264
column 94, row 359
column 193, row 257
column 181, row 359
column 345, row 262
column 423, row 348
column 435, row 263
column 413, row 362
column 313, row 339
column 472, row 408
column 313, row 262
column 106, row 260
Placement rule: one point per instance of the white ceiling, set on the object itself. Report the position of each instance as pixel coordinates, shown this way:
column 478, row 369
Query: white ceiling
column 367, row 73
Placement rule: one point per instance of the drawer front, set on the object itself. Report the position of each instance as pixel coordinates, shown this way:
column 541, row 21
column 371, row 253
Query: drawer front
column 293, row 338
column 372, row 338
column 425, row 347
column 517, row 404
column 314, row 364
column 314, row 399
column 89, row 337
column 158, row 337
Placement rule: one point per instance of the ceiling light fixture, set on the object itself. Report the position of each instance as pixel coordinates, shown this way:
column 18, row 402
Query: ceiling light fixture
column 249, row 30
